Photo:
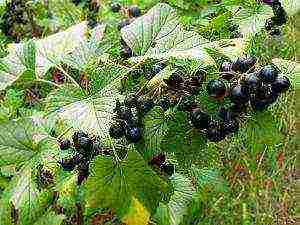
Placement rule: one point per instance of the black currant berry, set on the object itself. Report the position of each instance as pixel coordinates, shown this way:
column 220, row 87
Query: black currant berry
column 83, row 172
column 157, row 68
column 64, row 144
column 115, row 7
column 264, row 92
column 68, row 164
column 269, row 24
column 231, row 126
column 169, row 169
column 134, row 11
column 187, row 103
column 158, row 160
column 200, row 119
column 175, row 79
column 131, row 101
column 253, row 82
column 268, row 74
column 215, row 134
column 123, row 23
column 133, row 134
column 239, row 94
column 117, row 130
column 145, row 105
column 280, row 16
column 243, row 64
column 124, row 113
column 275, row 31
column 84, row 143
column 263, row 104
column 126, row 52
column 164, row 103
column 216, row 89
column 198, row 79
column 281, row 84
column 226, row 69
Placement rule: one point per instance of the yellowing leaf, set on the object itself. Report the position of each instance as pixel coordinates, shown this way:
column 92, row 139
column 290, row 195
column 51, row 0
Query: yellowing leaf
column 137, row 214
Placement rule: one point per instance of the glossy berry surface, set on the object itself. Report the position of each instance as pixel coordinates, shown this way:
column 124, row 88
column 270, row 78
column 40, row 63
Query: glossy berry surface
column 64, row 144
column 126, row 52
column 253, row 82
column 134, row 11
column 262, row 104
column 158, row 160
column 115, row 7
column 117, row 130
column 175, row 79
column 131, row 101
column 281, row 84
column 216, row 89
column 145, row 105
column 169, row 169
column 200, row 119
column 226, row 67
column 268, row 74
column 68, row 164
column 215, row 134
column 133, row 134
column 239, row 94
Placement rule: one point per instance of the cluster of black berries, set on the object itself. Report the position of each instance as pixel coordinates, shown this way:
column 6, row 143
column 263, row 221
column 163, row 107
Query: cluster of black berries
column 17, row 21
column 84, row 149
column 259, row 87
column 280, row 17
column 159, row 161
column 181, row 91
column 148, row 72
column 127, row 119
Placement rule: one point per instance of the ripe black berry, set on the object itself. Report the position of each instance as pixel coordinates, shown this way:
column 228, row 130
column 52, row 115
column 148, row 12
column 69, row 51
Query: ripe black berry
column 280, row 16
column 83, row 172
column 187, row 103
column 231, row 126
column 115, row 7
column 252, row 82
column 269, row 24
column 215, row 134
column 275, row 31
column 133, row 134
column 158, row 159
column 64, row 144
column 281, row 84
column 262, row 104
column 117, row 130
column 145, row 105
column 239, row 94
column 77, row 135
column 164, row 103
column 216, row 89
column 268, row 74
column 126, row 52
column 226, row 68
column 68, row 164
column 243, row 64
column 124, row 113
column 134, row 11
column 200, row 119
column 169, row 169
column 198, row 79
column 85, row 144
column 175, row 79
column 131, row 101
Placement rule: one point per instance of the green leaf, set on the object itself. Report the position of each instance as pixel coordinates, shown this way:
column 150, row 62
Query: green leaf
column 17, row 144
column 114, row 184
column 186, row 143
column 158, row 34
column 93, row 114
column 207, row 178
column 173, row 212
column 155, row 128
column 50, row 218
column 29, row 54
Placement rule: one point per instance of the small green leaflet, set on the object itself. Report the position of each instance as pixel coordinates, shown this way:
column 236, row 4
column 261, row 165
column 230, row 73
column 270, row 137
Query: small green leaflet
column 50, row 218
column 114, row 184
column 181, row 139
column 154, row 131
column 173, row 212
